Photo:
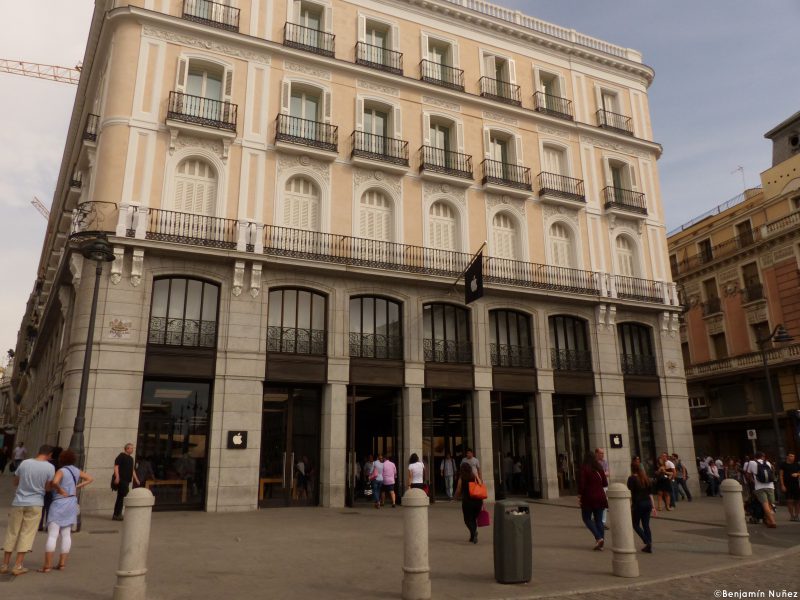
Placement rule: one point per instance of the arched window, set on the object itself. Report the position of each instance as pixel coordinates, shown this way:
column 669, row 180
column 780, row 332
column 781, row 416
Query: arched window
column 296, row 322
column 561, row 250
column 442, row 233
column 183, row 312
column 636, row 349
column 510, row 339
column 505, row 236
column 569, row 344
column 301, row 204
column 446, row 336
column 195, row 187
column 376, row 329
column 375, row 220
column 626, row 258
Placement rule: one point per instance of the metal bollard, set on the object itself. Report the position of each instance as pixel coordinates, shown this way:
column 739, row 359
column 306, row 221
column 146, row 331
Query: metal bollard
column 624, row 562
column 131, row 584
column 416, row 570
column 738, row 536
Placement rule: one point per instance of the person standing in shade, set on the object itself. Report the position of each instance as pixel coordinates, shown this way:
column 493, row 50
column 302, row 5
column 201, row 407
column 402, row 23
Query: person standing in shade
column 789, row 475
column 470, row 507
column 448, row 471
column 642, row 505
column 124, row 474
column 592, row 498
column 389, row 479
column 474, row 464
column 32, row 478
column 600, row 455
column 377, row 481
column 416, row 473
column 20, row 453
column 508, row 472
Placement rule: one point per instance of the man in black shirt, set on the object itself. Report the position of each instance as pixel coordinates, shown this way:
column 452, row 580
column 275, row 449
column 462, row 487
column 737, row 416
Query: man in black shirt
column 123, row 475
column 789, row 477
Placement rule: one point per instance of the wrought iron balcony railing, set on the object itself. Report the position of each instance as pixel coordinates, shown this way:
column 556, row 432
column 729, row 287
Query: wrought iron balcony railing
column 438, row 160
column 635, row 288
column 560, row 186
column 638, row 364
column 447, row 351
column 310, row 40
column 202, row 111
column 376, row 345
column 500, row 173
column 378, row 147
column 187, row 228
column 571, row 360
column 555, row 106
column 295, row 130
column 213, row 14
column 625, row 200
column 711, row 306
column 728, row 247
column 507, row 355
column 502, row 91
column 377, row 57
column 90, row 129
column 752, row 292
column 616, row 122
column 441, row 75
column 192, row 333
column 296, row 340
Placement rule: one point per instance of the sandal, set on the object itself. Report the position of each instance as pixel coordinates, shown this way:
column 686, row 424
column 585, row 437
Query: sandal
column 44, row 570
column 3, row 569
column 60, row 567
column 18, row 571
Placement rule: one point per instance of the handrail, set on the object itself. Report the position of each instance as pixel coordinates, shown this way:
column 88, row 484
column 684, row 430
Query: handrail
column 443, row 161
column 202, row 111
column 497, row 89
column 554, row 184
column 378, row 147
column 188, row 228
column 442, row 75
column 738, row 199
column 307, row 133
column 625, row 199
column 506, row 174
column 306, row 38
column 90, row 129
column 378, row 57
column 615, row 121
column 553, row 105
column 213, row 14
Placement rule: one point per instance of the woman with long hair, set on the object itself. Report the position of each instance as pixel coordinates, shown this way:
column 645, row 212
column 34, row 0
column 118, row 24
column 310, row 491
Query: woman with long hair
column 416, row 473
column 663, row 483
column 592, row 497
column 642, row 506
column 470, row 507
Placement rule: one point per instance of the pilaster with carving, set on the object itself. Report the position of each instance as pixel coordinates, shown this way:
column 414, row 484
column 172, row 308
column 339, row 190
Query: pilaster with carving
column 137, row 266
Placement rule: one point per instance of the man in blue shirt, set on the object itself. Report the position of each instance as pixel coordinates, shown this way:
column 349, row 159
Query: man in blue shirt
column 32, row 479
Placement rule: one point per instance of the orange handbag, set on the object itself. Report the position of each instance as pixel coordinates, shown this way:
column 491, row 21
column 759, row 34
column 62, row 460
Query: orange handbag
column 477, row 491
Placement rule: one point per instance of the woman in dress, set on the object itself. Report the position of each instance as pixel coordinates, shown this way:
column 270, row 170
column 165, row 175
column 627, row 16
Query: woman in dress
column 592, row 497
column 663, row 483
column 642, row 506
column 63, row 512
column 416, row 472
column 470, row 507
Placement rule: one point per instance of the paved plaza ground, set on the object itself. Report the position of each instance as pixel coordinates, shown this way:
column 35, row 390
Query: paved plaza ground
column 357, row 554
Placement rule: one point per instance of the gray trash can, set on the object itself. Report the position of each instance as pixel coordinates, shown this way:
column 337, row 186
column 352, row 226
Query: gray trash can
column 513, row 561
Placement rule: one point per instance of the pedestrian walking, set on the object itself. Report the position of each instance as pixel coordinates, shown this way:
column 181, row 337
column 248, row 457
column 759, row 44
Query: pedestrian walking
column 32, row 478
column 663, row 486
column 416, row 473
column 448, row 471
column 591, row 497
column 470, row 507
column 790, row 485
column 681, row 477
column 600, row 455
column 124, row 474
column 642, row 505
column 389, row 479
column 20, row 453
column 763, row 475
column 714, row 479
column 64, row 509
column 474, row 464
column 377, row 481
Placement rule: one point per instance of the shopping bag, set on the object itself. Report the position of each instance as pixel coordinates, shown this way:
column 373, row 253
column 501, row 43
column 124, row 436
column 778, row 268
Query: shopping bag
column 477, row 491
column 483, row 518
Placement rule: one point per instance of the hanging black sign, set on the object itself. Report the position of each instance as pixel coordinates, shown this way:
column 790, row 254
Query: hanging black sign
column 473, row 280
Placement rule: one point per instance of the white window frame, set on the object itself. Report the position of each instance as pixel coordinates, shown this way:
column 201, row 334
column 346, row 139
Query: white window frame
column 636, row 251
column 576, row 242
column 391, row 26
column 389, row 192
column 461, row 219
column 322, row 186
column 537, row 79
column 426, row 37
column 486, row 53
column 292, row 7
column 564, row 148
column 170, row 168
column 514, row 139
column 325, row 96
column 633, row 173
column 520, row 224
column 393, row 110
column 182, row 73
column 457, row 127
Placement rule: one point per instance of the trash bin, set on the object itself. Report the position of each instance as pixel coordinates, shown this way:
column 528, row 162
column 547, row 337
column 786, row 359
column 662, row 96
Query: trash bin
column 512, row 542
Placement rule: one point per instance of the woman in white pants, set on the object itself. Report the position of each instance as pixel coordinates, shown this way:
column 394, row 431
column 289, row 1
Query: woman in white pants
column 63, row 512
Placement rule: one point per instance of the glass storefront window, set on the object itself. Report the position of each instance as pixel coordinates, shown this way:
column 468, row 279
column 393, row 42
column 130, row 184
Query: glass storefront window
column 183, row 312
column 446, row 334
column 296, row 322
column 375, row 328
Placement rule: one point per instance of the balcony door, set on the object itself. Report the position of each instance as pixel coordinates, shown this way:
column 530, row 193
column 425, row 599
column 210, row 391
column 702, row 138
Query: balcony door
column 204, row 82
column 304, row 105
column 442, row 233
column 440, row 140
column 439, row 60
column 376, row 124
column 553, row 161
column 572, row 440
column 626, row 259
column 505, row 236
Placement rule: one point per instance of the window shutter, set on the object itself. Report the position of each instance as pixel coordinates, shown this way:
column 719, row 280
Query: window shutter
column 518, row 149
column 512, row 71
column 424, row 46
column 209, row 200
column 286, row 97
column 180, row 78
column 180, row 195
column 359, row 114
column 487, row 65
column 607, row 169
column 328, row 26
column 487, row 143
column 537, row 80
column 632, row 177
column 296, row 9
column 395, row 41
column 454, row 54
column 327, row 102
column 362, row 28
column 426, row 129
column 460, row 136
column 228, row 91
column 397, row 122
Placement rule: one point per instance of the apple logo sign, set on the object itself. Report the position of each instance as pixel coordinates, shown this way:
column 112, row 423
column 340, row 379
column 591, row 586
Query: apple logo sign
column 473, row 284
column 237, row 440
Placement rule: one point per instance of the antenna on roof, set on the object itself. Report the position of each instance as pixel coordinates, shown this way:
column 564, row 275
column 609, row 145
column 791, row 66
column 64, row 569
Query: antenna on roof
column 740, row 169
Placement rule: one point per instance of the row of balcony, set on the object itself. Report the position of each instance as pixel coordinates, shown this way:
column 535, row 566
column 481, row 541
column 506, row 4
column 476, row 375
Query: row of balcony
column 750, row 293
column 751, row 360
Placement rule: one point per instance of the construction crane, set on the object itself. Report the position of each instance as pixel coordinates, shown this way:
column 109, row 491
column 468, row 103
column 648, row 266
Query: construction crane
column 43, row 210
column 52, row 72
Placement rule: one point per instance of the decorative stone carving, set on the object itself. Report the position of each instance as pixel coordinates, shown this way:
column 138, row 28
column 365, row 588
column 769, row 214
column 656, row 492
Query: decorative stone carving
column 255, row 279
column 665, row 318
column 757, row 312
column 75, row 268
column 393, row 182
column 608, row 145
column 562, row 133
column 119, row 329
column 459, row 195
column 674, row 325
column 238, row 278
column 378, row 87
column 516, row 205
column 117, row 264
column 766, row 260
column 672, row 366
column 488, row 114
column 611, row 317
column 304, row 163
column 446, row 104
column 550, row 212
column 715, row 325
column 783, row 253
column 64, row 299
column 205, row 44
column 137, row 265
column 307, row 70
column 600, row 315
column 177, row 141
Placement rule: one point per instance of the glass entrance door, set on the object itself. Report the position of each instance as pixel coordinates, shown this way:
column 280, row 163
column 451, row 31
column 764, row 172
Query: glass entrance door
column 515, row 444
column 446, row 430
column 572, row 439
column 290, row 438
column 640, row 431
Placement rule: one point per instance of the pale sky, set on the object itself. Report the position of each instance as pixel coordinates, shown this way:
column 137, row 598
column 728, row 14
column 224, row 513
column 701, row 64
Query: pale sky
column 726, row 72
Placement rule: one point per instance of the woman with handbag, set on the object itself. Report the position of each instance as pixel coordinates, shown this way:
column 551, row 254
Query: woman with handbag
column 642, row 506
column 592, row 497
column 470, row 505
column 64, row 510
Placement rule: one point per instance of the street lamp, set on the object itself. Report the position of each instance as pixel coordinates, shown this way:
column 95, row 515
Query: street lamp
column 779, row 334
column 100, row 251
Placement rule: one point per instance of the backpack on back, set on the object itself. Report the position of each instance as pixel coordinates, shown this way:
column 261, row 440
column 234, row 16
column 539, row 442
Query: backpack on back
column 763, row 472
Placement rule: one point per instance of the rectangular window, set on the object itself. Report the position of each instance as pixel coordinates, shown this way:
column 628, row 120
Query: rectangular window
column 704, row 251
column 744, row 233
column 687, row 360
column 673, row 265
column 719, row 345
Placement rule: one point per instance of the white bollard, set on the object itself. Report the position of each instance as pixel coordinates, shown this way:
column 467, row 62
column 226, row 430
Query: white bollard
column 416, row 570
column 131, row 584
column 624, row 562
column 738, row 536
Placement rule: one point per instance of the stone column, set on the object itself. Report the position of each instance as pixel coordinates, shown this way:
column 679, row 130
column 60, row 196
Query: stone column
column 738, row 536
column 548, row 460
column 412, row 425
column 482, row 415
column 334, row 445
column 131, row 584
column 624, row 562
column 416, row 569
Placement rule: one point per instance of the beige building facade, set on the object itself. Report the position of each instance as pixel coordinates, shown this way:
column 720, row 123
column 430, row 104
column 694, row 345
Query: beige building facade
column 291, row 190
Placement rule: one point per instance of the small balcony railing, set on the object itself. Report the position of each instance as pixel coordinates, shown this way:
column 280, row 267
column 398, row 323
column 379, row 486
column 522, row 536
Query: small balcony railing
column 447, row 351
column 638, row 364
column 378, row 147
column 555, row 106
column 438, row 160
column 623, row 199
column 753, row 292
column 212, row 14
column 310, row 40
column 790, row 220
column 635, row 288
column 187, row 228
column 507, row 355
column 441, row 75
column 192, row 333
column 726, row 248
column 500, row 173
column 90, row 129
column 378, row 57
column 616, row 122
column 295, row 130
column 711, row 306
column 376, row 345
column 571, row 360
column 500, row 90
column 202, row 111
column 560, row 186
column 296, row 340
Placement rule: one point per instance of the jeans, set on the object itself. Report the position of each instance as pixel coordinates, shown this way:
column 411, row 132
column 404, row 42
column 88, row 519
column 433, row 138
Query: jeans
column 448, row 485
column 673, row 493
column 122, row 491
column 640, row 513
column 683, row 489
column 376, row 491
column 713, row 486
column 593, row 519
